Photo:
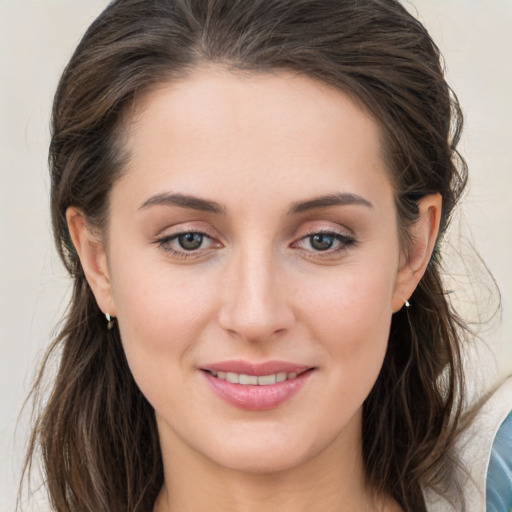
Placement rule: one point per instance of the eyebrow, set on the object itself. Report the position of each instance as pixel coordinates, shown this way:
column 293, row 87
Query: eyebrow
column 342, row 199
column 204, row 205
column 183, row 201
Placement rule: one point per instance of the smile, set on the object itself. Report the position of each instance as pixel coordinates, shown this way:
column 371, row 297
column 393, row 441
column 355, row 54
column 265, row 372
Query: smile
column 254, row 380
column 256, row 387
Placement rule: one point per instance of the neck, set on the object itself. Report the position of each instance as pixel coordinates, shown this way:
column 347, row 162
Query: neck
column 332, row 480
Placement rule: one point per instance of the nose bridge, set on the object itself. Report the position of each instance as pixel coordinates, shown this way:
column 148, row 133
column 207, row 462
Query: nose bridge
column 256, row 305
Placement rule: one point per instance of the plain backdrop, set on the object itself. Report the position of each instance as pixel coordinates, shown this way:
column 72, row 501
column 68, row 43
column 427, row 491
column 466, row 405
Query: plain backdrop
column 36, row 39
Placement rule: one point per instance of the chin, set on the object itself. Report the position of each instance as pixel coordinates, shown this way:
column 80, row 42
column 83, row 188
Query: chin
column 261, row 461
column 269, row 454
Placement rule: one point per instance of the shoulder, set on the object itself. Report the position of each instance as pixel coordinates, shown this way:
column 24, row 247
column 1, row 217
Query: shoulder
column 485, row 449
column 499, row 473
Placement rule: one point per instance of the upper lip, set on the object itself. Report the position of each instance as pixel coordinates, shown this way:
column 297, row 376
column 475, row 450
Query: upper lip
column 248, row 368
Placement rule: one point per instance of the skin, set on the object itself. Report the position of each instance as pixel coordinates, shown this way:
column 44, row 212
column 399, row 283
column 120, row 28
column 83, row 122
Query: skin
column 257, row 289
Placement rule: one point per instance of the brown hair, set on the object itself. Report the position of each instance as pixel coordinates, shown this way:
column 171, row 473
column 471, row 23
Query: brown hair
column 97, row 432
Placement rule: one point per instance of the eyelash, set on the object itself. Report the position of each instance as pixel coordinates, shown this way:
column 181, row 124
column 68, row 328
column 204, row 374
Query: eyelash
column 344, row 241
column 164, row 244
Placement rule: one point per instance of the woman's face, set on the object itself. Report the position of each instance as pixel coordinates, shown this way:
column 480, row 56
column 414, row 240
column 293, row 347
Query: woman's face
column 253, row 238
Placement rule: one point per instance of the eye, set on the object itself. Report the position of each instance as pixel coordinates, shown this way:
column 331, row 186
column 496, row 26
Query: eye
column 322, row 241
column 187, row 244
column 190, row 241
column 327, row 242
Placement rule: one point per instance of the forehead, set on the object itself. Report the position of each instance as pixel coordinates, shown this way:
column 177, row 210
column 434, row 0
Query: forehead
column 217, row 128
column 213, row 95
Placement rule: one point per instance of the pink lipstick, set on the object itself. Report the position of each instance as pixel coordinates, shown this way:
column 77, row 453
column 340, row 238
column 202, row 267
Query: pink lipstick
column 256, row 387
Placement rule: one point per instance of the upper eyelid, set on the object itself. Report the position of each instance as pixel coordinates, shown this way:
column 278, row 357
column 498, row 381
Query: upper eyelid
column 327, row 231
column 338, row 236
column 173, row 236
column 183, row 228
column 323, row 224
column 179, row 232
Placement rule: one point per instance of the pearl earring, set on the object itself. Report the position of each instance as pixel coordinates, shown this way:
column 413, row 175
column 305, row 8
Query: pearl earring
column 407, row 304
column 110, row 321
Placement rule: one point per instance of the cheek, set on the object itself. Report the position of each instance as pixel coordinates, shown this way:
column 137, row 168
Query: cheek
column 351, row 316
column 160, row 315
column 357, row 298
column 153, row 298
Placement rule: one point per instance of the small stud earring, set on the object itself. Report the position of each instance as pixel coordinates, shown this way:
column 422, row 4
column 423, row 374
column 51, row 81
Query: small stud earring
column 110, row 321
column 407, row 304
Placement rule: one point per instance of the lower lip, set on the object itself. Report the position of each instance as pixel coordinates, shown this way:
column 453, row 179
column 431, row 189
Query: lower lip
column 257, row 398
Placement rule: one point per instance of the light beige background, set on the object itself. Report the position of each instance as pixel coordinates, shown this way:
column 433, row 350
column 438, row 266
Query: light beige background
column 36, row 39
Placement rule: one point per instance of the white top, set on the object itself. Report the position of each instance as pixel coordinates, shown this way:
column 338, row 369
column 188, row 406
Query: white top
column 475, row 449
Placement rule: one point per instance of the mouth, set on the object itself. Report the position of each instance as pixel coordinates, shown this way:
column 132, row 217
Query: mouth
column 256, row 387
column 255, row 380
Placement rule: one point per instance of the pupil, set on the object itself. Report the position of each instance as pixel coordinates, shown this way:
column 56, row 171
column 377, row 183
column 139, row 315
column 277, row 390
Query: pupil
column 321, row 242
column 190, row 241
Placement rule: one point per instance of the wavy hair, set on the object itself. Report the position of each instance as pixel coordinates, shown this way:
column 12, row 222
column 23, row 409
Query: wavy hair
column 96, row 432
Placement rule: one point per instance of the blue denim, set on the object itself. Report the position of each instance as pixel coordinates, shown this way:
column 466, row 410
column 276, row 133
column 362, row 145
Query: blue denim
column 499, row 475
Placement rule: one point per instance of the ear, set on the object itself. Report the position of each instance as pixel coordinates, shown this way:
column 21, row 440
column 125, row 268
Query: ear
column 423, row 235
column 91, row 251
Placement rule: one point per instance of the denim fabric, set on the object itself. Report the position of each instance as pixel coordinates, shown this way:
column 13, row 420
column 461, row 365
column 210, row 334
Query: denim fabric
column 499, row 474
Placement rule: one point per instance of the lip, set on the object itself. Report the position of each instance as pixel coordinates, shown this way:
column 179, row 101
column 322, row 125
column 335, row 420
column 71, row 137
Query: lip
column 254, row 397
column 265, row 368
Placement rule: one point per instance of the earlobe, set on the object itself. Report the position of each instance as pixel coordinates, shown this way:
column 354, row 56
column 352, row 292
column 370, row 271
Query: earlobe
column 414, row 262
column 91, row 251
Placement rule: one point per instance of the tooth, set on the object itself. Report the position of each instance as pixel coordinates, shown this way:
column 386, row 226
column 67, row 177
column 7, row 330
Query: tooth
column 232, row 377
column 281, row 377
column 248, row 379
column 265, row 380
column 261, row 380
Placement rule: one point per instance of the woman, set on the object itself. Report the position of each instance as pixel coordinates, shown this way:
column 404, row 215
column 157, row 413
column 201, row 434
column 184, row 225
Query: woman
column 250, row 198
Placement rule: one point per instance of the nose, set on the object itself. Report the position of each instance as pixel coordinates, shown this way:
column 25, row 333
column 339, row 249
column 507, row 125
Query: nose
column 256, row 303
